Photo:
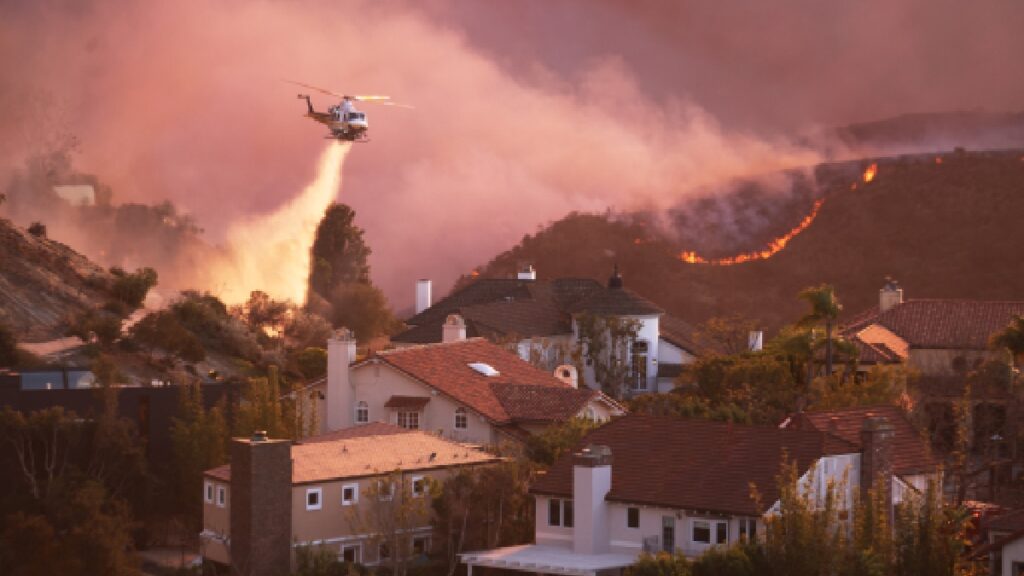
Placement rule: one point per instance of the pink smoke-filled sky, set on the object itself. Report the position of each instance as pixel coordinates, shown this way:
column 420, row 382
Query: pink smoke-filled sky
column 524, row 112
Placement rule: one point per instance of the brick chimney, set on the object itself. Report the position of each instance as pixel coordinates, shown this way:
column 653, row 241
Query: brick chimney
column 876, row 438
column 890, row 295
column 591, row 481
column 454, row 329
column 341, row 352
column 261, row 506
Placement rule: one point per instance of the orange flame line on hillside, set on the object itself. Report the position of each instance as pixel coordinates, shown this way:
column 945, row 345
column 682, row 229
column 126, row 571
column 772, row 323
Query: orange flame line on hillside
column 870, row 173
column 774, row 247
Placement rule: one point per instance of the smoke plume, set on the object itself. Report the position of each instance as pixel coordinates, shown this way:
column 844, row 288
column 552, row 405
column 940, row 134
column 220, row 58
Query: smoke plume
column 611, row 106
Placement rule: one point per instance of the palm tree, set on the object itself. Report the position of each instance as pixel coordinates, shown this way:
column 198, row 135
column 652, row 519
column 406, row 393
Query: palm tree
column 825, row 307
column 1011, row 339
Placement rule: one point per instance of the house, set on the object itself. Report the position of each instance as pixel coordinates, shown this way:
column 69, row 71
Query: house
column 913, row 461
column 943, row 341
column 330, row 492
column 938, row 337
column 540, row 318
column 648, row 483
column 468, row 390
column 1005, row 545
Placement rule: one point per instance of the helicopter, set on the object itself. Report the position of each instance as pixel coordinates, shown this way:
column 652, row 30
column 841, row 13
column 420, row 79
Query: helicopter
column 344, row 121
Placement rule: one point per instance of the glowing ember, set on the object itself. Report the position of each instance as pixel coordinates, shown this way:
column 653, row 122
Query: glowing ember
column 774, row 247
column 637, row 241
column 938, row 159
column 870, row 173
column 474, row 273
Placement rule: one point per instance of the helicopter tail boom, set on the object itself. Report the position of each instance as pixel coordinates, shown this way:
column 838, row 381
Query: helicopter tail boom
column 308, row 103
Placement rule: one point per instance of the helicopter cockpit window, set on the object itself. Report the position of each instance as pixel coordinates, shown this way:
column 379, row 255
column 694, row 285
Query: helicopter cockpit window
column 355, row 116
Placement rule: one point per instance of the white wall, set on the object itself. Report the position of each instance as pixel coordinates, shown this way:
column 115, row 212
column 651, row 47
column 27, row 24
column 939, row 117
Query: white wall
column 1012, row 552
column 648, row 332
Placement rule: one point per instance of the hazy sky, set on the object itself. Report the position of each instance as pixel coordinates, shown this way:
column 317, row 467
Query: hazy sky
column 524, row 110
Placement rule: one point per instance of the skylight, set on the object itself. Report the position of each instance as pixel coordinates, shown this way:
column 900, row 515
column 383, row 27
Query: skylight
column 485, row 369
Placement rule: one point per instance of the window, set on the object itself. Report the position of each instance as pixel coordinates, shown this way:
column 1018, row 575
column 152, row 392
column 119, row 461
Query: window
column 632, row 517
column 349, row 494
column 409, row 420
column 383, row 551
column 554, row 512
column 638, row 370
column 461, row 420
column 222, row 496
column 350, row 553
column 421, row 545
column 419, row 486
column 591, row 414
column 702, row 531
column 560, row 512
column 208, row 492
column 314, row 498
column 710, row 531
column 748, row 528
column 362, row 413
column 385, row 490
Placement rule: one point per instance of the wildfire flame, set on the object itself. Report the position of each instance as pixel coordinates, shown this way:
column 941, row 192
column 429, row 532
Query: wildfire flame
column 870, row 173
column 774, row 247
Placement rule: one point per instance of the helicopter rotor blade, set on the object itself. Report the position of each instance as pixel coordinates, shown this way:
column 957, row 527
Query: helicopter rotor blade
column 317, row 88
column 382, row 100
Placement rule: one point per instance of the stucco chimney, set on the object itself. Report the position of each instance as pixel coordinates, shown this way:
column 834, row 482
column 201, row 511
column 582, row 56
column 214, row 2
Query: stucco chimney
column 423, row 296
column 567, row 373
column 527, row 273
column 890, row 295
column 341, row 353
column 876, row 438
column 454, row 329
column 755, row 340
column 261, row 506
column 591, row 482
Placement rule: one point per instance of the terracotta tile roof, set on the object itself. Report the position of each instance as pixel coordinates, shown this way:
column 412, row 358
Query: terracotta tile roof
column 695, row 464
column 679, row 332
column 369, row 429
column 911, row 452
column 541, row 403
column 951, row 324
column 416, row 402
column 370, row 455
column 1007, row 521
column 445, row 367
column 874, row 353
column 882, row 339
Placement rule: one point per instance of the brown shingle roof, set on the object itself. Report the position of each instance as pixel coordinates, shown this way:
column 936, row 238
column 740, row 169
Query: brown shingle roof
column 617, row 302
column 541, row 403
column 911, row 453
column 695, row 464
column 320, row 460
column 951, row 324
column 678, row 332
column 445, row 367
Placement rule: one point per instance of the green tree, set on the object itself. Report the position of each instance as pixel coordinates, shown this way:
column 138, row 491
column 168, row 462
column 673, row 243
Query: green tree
column 163, row 331
column 263, row 407
column 130, row 289
column 263, row 313
column 660, row 564
column 339, row 254
column 825, row 308
column 8, row 346
column 603, row 344
column 881, row 385
column 544, row 448
column 361, row 308
column 199, row 439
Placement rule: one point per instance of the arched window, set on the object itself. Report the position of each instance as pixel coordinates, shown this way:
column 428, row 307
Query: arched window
column 362, row 413
column 461, row 419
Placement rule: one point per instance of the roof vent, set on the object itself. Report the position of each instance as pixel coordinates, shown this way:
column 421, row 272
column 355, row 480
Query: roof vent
column 485, row 369
column 259, row 436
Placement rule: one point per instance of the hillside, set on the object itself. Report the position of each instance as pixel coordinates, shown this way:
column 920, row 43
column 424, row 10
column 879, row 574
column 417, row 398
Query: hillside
column 945, row 225
column 43, row 282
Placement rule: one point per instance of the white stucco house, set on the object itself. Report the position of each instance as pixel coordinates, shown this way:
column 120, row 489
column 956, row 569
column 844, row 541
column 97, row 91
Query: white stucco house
column 539, row 319
column 648, row 484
